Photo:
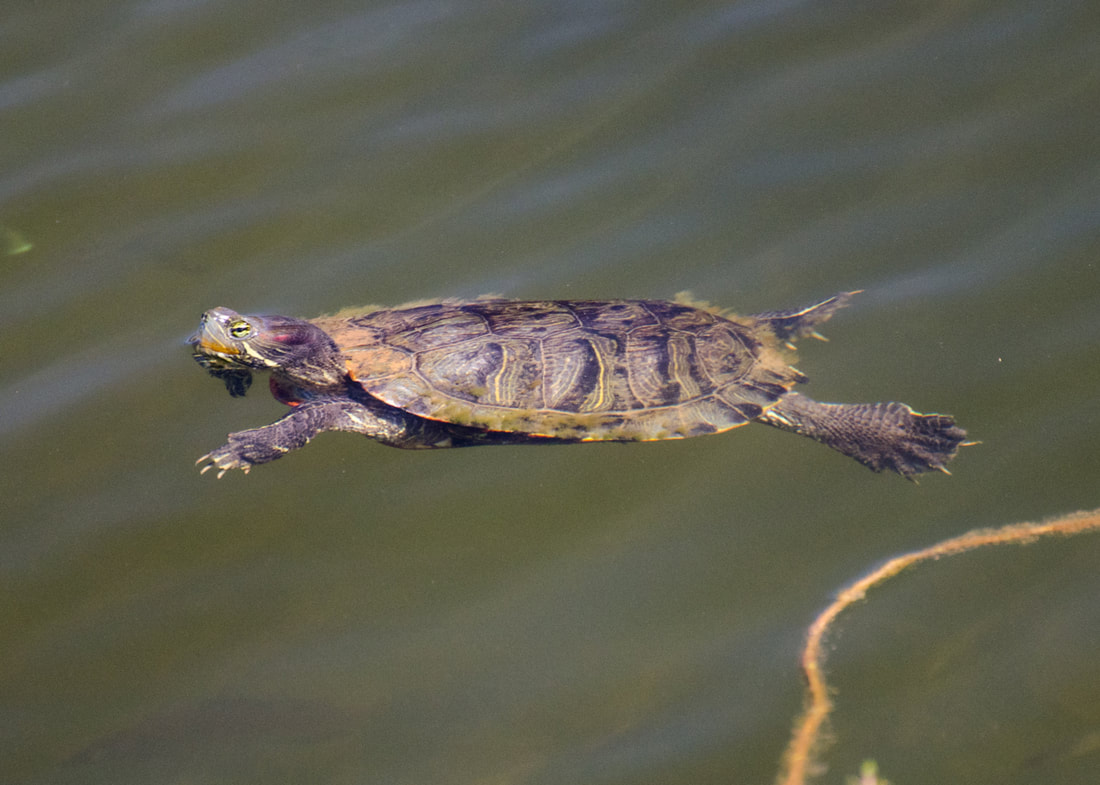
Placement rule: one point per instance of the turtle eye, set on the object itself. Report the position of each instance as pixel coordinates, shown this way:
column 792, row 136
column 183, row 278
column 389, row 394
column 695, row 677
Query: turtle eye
column 240, row 329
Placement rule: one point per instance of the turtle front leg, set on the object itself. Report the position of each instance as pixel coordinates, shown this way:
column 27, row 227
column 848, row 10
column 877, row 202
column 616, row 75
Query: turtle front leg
column 261, row 445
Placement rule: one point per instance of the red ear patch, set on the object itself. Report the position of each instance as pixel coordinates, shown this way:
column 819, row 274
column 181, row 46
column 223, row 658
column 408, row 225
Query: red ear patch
column 292, row 338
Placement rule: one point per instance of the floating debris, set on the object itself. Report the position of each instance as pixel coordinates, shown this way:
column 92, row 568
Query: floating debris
column 13, row 241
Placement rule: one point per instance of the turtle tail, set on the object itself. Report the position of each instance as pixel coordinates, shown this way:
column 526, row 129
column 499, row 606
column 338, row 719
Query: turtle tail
column 789, row 326
column 878, row 435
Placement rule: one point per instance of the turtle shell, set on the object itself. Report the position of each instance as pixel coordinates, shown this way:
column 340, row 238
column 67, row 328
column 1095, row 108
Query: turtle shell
column 582, row 370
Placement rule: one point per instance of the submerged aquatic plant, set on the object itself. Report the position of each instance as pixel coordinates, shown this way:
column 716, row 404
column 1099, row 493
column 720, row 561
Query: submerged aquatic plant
column 801, row 758
column 868, row 775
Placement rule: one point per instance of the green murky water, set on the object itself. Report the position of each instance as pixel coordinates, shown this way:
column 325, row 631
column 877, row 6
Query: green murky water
column 583, row 614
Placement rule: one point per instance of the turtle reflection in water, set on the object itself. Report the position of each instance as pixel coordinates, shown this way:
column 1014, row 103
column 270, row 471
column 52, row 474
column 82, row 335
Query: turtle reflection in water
column 491, row 371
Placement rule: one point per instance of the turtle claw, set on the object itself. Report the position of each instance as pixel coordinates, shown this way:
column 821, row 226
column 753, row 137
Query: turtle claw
column 224, row 458
column 812, row 334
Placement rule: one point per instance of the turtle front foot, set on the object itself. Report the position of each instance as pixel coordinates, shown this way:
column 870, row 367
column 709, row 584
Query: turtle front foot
column 258, row 445
column 224, row 458
column 263, row 445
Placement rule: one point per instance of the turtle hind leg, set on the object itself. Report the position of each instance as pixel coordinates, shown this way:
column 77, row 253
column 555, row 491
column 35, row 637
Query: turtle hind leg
column 792, row 325
column 878, row 435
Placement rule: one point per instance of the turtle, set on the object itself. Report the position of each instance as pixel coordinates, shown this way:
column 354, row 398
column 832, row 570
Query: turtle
column 457, row 373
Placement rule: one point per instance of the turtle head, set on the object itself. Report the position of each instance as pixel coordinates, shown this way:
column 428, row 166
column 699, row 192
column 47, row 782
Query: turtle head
column 230, row 346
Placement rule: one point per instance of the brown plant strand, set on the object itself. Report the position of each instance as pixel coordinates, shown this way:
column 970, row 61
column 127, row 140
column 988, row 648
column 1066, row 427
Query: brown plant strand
column 799, row 761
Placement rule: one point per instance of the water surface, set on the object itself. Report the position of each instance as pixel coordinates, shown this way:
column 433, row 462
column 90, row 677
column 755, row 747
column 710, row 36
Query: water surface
column 582, row 614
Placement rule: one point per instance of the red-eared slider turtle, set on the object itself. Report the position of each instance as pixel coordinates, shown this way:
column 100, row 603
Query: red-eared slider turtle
column 460, row 373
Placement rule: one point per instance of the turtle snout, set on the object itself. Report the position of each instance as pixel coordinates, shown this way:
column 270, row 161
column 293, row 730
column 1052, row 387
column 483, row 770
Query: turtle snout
column 194, row 338
column 197, row 336
column 213, row 335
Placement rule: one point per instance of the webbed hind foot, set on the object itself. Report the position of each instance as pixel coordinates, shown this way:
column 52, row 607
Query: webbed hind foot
column 881, row 436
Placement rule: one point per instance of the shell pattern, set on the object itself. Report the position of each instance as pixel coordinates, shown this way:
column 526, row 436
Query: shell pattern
column 583, row 370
